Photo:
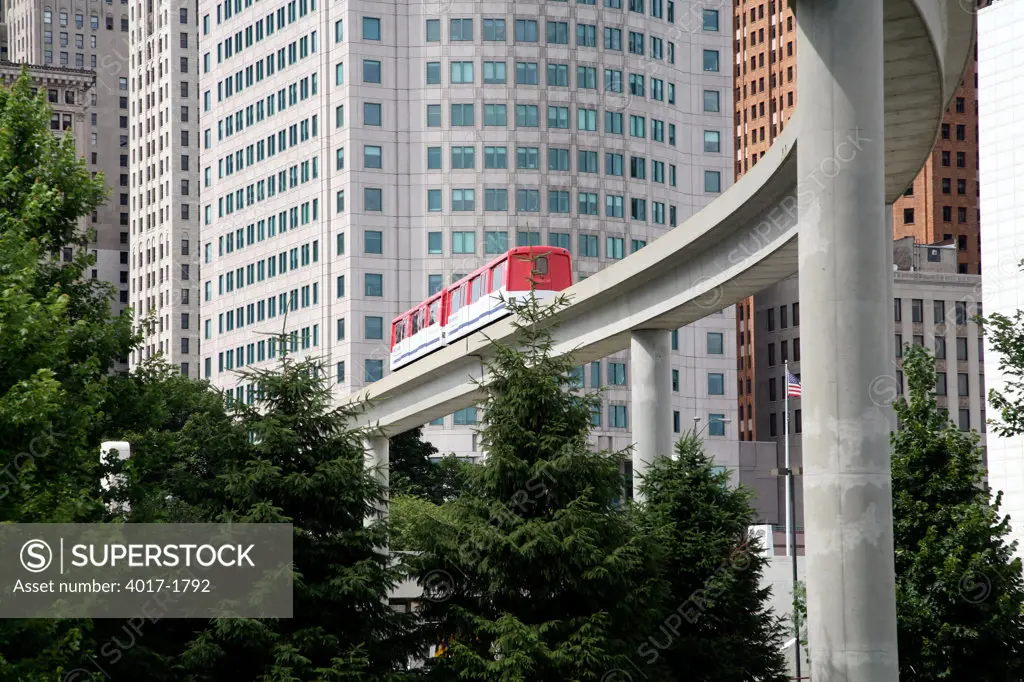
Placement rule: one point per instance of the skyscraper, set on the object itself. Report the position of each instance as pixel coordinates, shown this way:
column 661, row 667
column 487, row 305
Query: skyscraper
column 1002, row 244
column 94, row 37
column 359, row 157
column 940, row 206
column 164, row 147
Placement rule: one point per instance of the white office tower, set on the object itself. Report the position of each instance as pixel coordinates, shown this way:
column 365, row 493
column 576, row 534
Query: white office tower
column 1001, row 141
column 358, row 156
column 164, row 76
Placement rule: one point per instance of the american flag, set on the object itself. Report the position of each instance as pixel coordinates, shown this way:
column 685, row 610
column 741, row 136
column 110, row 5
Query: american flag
column 792, row 386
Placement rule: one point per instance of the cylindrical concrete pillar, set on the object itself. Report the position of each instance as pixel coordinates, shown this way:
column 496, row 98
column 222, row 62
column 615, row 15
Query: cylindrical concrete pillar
column 378, row 459
column 651, row 394
column 845, row 296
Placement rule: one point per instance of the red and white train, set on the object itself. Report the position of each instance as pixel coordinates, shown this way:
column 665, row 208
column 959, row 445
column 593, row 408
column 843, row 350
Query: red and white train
column 475, row 301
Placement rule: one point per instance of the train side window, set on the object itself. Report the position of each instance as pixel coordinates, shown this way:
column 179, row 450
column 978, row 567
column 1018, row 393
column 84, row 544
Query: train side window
column 474, row 289
column 540, row 265
column 399, row 326
column 434, row 307
column 421, row 319
column 498, row 277
column 415, row 323
column 457, row 300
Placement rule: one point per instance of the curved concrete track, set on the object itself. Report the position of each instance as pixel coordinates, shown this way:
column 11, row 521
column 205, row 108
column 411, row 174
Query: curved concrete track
column 739, row 244
column 868, row 69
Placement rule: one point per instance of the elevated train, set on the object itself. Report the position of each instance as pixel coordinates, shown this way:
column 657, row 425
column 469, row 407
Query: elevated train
column 477, row 300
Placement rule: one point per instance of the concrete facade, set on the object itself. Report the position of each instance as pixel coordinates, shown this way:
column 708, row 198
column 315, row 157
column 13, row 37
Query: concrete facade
column 1000, row 29
column 165, row 142
column 67, row 34
column 419, row 141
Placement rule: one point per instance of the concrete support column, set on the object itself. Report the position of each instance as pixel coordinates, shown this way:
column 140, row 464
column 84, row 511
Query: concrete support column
column 651, row 393
column 845, row 300
column 378, row 459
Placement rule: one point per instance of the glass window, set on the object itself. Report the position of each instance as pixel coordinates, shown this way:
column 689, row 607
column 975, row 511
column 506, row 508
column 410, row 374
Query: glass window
column 716, row 424
column 371, row 114
column 371, row 71
column 716, row 384
column 461, row 29
column 712, row 101
column 373, row 241
column 712, row 141
column 710, row 20
column 711, row 60
column 712, row 181
column 374, row 370
column 716, row 343
column 373, row 199
column 374, row 327
column 464, row 242
column 434, row 242
column 433, row 30
column 371, row 28
column 373, row 284
column 372, row 156
column 433, row 158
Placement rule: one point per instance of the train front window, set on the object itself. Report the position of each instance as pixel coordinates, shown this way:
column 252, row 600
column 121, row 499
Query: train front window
column 498, row 277
column 540, row 265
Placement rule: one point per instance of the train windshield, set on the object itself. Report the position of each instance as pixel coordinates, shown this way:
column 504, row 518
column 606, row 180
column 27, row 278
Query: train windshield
column 540, row 265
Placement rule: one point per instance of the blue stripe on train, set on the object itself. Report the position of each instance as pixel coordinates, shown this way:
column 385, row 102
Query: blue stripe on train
column 492, row 311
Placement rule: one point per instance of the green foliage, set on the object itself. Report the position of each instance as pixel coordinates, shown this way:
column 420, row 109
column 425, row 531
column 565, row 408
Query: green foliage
column 412, row 472
column 303, row 465
column 1006, row 337
column 58, row 341
column 959, row 590
column 533, row 573
column 717, row 623
column 799, row 627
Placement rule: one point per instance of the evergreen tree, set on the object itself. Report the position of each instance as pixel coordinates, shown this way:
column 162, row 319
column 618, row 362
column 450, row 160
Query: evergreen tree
column 58, row 341
column 533, row 573
column 959, row 590
column 413, row 471
column 718, row 624
column 305, row 466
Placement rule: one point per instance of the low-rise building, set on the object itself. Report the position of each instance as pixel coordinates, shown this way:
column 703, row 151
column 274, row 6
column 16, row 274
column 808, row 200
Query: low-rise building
column 934, row 306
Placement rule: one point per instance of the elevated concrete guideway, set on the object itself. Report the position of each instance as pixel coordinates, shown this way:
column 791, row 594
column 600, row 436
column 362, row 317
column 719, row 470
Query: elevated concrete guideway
column 741, row 243
column 875, row 76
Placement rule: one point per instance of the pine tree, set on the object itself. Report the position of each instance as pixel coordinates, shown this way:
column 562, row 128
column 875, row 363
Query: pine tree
column 718, row 624
column 305, row 466
column 413, row 471
column 533, row 573
column 959, row 590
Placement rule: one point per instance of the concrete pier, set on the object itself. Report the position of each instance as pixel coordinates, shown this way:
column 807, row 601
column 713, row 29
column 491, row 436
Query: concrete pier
column 846, row 304
column 650, row 386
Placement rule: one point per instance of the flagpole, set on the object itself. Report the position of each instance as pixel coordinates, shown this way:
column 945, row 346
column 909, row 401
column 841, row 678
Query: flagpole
column 789, row 474
column 790, row 535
